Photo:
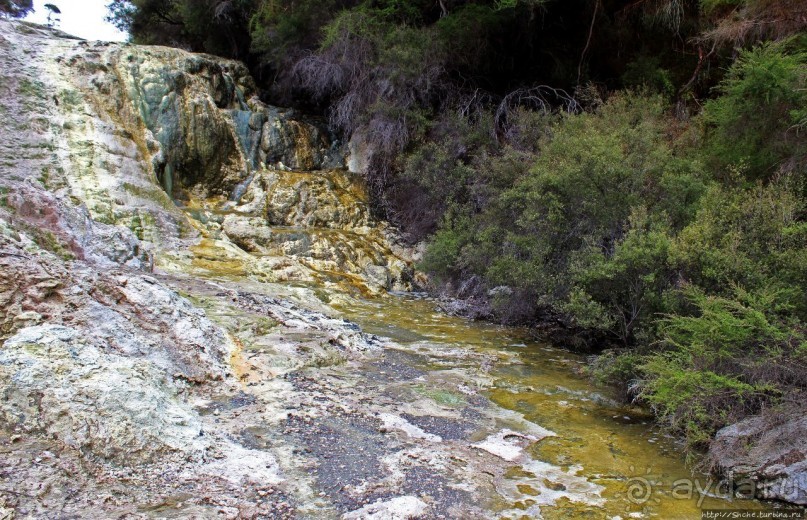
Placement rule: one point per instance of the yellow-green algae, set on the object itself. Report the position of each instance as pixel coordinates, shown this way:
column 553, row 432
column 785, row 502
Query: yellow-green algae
column 617, row 446
column 614, row 446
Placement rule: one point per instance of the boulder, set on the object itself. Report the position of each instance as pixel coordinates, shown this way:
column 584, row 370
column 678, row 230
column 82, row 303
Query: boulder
column 771, row 454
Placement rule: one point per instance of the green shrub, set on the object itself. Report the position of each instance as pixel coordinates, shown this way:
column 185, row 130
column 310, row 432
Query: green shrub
column 647, row 72
column 617, row 367
column 753, row 237
column 627, row 285
column 726, row 361
column 443, row 257
column 754, row 123
column 576, row 215
column 569, row 235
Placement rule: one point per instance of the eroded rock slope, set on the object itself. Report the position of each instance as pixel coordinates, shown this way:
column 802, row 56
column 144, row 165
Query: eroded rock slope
column 170, row 250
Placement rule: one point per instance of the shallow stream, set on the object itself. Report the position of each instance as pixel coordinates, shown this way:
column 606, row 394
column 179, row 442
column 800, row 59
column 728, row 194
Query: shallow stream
column 565, row 447
column 643, row 472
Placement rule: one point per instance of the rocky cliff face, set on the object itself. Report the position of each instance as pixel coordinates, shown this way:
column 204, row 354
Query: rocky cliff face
column 122, row 170
column 144, row 137
column 196, row 119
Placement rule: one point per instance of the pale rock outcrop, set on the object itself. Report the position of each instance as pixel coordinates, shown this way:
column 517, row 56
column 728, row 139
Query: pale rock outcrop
column 134, row 135
column 288, row 141
column 118, row 408
column 767, row 456
column 398, row 508
column 127, row 313
column 199, row 117
column 322, row 218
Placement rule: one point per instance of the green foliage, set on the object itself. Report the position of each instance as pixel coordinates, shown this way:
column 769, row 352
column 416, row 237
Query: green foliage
column 587, row 312
column 754, row 237
column 442, row 172
column 726, row 361
column 628, row 285
column 712, row 5
column 647, row 72
column 465, row 32
column 581, row 221
column 442, row 259
column 510, row 4
column 617, row 367
column 350, row 24
column 756, row 122
column 395, row 11
column 214, row 26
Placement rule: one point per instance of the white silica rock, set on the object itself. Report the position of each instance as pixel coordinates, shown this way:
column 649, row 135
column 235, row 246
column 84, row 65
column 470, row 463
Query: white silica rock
column 117, row 408
column 398, row 508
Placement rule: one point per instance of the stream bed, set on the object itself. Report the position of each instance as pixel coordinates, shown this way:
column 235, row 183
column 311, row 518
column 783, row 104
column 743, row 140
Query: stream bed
column 469, row 419
column 640, row 471
column 478, row 420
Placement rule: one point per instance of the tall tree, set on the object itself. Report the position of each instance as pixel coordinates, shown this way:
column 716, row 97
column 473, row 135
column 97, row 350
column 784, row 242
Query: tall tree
column 214, row 26
column 53, row 14
column 16, row 8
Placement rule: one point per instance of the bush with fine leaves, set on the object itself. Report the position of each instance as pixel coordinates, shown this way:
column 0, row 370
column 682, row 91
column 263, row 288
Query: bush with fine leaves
column 731, row 358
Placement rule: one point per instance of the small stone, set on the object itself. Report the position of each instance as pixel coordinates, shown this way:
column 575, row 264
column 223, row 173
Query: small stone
column 28, row 316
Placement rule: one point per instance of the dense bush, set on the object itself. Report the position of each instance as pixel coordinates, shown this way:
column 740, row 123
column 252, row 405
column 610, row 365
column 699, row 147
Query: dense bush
column 758, row 122
column 754, row 237
column 730, row 359
column 682, row 250
column 580, row 226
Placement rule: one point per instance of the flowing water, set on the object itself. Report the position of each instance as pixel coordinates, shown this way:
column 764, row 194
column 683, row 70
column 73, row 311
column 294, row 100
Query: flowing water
column 605, row 459
column 643, row 472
